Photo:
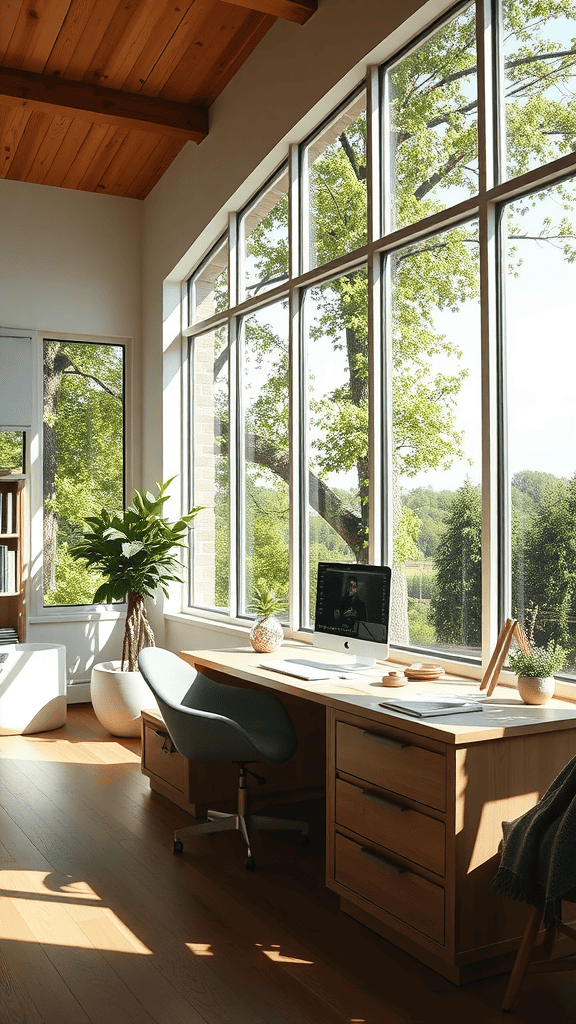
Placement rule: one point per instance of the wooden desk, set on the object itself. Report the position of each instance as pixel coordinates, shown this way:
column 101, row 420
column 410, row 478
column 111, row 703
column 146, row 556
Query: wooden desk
column 414, row 807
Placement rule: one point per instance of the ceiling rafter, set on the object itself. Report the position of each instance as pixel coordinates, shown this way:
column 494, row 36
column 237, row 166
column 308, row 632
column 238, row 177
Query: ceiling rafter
column 82, row 100
column 291, row 10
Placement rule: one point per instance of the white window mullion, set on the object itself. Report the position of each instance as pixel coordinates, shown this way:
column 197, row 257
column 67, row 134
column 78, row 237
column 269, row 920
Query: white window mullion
column 376, row 396
column 235, row 440
column 296, row 535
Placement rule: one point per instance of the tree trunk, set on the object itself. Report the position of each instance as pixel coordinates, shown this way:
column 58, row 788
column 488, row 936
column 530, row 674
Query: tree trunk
column 137, row 632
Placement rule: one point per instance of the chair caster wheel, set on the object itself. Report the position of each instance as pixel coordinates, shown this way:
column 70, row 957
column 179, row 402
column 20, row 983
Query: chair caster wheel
column 249, row 864
column 304, row 839
column 178, row 846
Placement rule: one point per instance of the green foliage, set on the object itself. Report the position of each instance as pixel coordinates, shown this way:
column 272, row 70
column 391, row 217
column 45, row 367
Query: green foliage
column 422, row 632
column 133, row 549
column 540, row 663
column 76, row 583
column 457, row 606
column 406, row 536
column 264, row 601
column 11, row 449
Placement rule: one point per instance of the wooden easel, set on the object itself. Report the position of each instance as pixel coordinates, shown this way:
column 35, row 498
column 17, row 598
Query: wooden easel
column 510, row 630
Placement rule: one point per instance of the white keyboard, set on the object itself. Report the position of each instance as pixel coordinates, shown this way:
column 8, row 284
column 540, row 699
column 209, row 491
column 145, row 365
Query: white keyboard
column 293, row 668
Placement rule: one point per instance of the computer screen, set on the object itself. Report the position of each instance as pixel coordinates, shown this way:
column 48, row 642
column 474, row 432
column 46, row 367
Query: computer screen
column 353, row 609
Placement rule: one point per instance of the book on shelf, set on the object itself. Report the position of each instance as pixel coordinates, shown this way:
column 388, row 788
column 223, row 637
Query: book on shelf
column 429, row 706
column 7, row 570
column 7, row 509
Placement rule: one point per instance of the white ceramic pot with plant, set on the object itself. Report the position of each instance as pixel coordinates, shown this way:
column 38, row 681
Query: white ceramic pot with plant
column 133, row 551
column 266, row 634
column 536, row 669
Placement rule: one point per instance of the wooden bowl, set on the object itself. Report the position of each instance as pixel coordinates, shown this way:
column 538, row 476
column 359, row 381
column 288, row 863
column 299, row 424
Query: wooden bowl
column 422, row 670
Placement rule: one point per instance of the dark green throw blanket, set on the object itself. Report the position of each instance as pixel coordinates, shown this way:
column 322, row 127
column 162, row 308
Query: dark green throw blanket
column 538, row 864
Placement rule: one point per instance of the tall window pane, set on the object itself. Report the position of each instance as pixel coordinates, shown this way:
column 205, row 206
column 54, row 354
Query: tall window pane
column 210, row 470
column 266, row 464
column 539, row 82
column 540, row 342
column 336, row 187
column 264, row 240
column 437, row 443
column 83, row 456
column 12, row 450
column 433, row 123
column 336, row 319
column 208, row 288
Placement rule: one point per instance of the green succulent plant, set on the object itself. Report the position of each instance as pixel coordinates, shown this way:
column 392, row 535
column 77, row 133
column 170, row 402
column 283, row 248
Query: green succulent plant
column 264, row 601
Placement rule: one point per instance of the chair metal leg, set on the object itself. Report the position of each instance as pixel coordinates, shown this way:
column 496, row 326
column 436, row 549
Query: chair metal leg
column 242, row 821
column 522, row 958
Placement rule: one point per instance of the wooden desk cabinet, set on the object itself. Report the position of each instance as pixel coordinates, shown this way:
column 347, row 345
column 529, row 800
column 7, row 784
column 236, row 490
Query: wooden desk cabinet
column 413, row 830
column 414, row 808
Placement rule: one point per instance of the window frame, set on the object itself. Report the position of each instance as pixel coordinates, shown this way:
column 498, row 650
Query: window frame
column 487, row 206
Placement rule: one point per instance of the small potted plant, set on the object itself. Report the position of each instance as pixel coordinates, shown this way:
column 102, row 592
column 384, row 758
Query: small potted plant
column 536, row 670
column 266, row 633
column 134, row 551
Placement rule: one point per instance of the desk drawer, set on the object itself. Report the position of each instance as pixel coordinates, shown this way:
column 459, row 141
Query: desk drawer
column 160, row 758
column 371, row 755
column 400, row 829
column 399, row 892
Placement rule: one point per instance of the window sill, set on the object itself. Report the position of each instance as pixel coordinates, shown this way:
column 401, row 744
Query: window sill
column 78, row 613
column 230, row 630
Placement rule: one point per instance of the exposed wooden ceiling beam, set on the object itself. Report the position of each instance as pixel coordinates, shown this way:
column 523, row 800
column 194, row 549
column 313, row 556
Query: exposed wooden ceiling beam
column 292, row 10
column 88, row 102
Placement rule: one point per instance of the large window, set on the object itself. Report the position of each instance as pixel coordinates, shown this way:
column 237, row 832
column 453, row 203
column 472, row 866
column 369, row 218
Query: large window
column 83, row 456
column 393, row 380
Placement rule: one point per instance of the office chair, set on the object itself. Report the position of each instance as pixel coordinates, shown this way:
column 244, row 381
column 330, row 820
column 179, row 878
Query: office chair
column 210, row 721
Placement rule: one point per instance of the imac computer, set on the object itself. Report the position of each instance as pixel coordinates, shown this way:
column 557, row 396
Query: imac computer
column 352, row 612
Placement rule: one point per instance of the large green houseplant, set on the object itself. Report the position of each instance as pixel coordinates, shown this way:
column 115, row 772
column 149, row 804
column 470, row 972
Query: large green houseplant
column 134, row 551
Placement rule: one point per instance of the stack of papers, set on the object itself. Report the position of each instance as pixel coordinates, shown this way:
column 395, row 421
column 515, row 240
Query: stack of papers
column 429, row 705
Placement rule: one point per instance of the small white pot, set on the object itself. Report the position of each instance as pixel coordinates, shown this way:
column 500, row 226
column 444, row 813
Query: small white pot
column 536, row 690
column 118, row 698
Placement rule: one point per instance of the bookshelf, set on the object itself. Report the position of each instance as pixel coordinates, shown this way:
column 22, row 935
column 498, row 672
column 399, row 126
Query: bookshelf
column 12, row 572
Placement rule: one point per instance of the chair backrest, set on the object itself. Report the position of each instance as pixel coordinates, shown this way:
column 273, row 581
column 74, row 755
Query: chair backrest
column 184, row 697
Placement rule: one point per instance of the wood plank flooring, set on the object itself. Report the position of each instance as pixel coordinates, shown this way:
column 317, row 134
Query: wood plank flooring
column 100, row 923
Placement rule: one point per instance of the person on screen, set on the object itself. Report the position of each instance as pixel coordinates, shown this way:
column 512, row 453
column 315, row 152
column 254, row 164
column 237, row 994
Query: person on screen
column 352, row 608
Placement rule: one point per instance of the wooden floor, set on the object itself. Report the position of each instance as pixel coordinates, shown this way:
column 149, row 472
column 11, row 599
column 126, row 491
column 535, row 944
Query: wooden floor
column 100, row 922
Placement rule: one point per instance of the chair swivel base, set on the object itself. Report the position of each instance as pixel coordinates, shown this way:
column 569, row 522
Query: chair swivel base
column 220, row 821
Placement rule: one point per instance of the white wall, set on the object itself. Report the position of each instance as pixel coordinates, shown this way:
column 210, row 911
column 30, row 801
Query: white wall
column 70, row 263
column 294, row 78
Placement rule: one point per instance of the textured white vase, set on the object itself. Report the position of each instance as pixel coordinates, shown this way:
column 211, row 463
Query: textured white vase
column 32, row 688
column 118, row 698
column 536, row 690
column 266, row 634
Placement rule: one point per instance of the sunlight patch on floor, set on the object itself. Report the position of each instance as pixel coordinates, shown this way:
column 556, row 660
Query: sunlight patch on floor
column 36, row 883
column 200, row 948
column 277, row 957
column 96, row 752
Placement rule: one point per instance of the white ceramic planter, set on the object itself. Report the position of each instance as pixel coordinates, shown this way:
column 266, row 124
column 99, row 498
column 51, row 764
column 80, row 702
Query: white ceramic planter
column 118, row 698
column 32, row 688
column 535, row 690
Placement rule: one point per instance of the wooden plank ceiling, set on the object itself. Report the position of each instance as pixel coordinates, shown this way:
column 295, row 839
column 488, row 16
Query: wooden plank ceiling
column 101, row 95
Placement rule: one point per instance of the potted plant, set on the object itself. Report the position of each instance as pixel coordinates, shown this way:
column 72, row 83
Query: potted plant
column 134, row 552
column 536, row 669
column 266, row 633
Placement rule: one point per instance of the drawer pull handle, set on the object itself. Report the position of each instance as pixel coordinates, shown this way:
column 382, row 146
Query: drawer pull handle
column 385, row 741
column 390, row 865
column 382, row 801
column 167, row 745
